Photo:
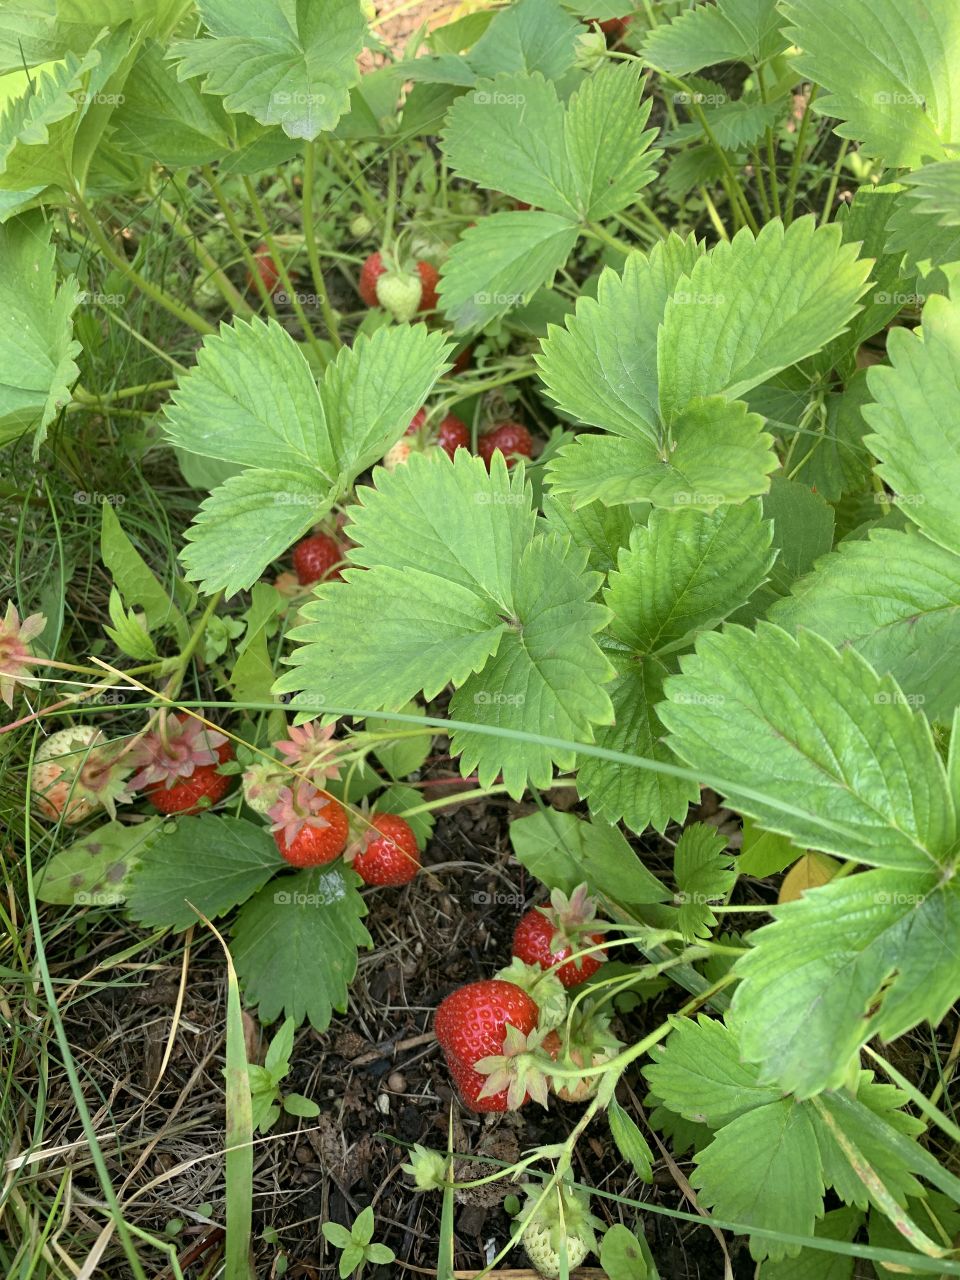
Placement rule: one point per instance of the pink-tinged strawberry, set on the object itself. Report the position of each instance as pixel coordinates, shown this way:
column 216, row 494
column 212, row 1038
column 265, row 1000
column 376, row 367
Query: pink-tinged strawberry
column 16, row 652
column 416, row 423
column 399, row 453
column 266, row 267
column 429, row 279
column 510, row 438
column 452, row 434
column 547, row 936
column 75, row 772
column 386, row 854
column 471, row 1026
column 585, row 1041
column 309, row 828
column 370, row 273
column 178, row 765
column 316, row 558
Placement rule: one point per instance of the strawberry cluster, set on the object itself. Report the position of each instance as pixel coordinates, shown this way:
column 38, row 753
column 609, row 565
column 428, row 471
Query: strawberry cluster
column 513, row 1037
column 512, row 439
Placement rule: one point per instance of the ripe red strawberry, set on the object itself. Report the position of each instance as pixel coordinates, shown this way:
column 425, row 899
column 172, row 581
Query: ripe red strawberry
column 416, row 422
column 461, row 361
column 452, row 434
column 309, row 828
column 429, row 278
column 203, row 788
column 471, row 1024
column 389, row 855
column 370, row 273
column 509, row 438
column 314, row 558
column 266, row 267
column 548, row 935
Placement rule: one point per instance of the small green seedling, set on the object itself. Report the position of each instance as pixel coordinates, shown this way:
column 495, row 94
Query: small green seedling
column 356, row 1244
column 265, row 1084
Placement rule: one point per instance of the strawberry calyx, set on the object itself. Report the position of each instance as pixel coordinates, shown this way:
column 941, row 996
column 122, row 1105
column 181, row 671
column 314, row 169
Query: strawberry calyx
column 520, row 1069
column 169, row 754
column 542, row 985
column 298, row 807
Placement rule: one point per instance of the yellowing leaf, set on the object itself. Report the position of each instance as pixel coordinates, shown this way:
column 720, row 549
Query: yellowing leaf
column 807, row 872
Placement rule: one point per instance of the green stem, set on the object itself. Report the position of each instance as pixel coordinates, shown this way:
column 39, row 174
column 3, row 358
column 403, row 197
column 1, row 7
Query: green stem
column 599, row 233
column 391, row 196
column 313, row 255
column 761, row 185
column 797, row 160
column 97, row 400
column 834, row 181
column 714, row 214
column 253, row 273
column 357, row 182
column 228, row 291
column 282, row 271
column 771, row 150
column 186, row 315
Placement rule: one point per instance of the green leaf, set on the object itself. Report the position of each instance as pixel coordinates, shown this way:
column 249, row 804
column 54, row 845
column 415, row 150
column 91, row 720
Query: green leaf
column 336, row 1234
column 264, row 1113
column 699, row 1073
column 606, row 142
column 916, row 420
column 95, row 869
column 631, row 1143
column 362, row 1229
column 210, row 863
column 404, row 754
column 888, row 71
column 936, row 187
column 816, row 1264
column 127, row 633
column 489, row 140
column 482, row 604
column 545, row 676
column 291, row 65
column 350, row 1259
column 802, row 530
column 277, row 1060
column 248, row 521
column 897, row 967
column 719, row 454
column 621, row 1255
column 843, row 764
column 168, row 121
column 295, row 945
column 640, row 797
column 894, row 597
column 600, row 531
column 920, row 234
column 398, row 799
column 763, row 1170
column 498, row 264
column 702, row 872
column 753, row 306
column 380, row 1254
column 529, row 36
column 762, row 853
column 37, row 347
column 684, row 572
column 134, row 578
column 253, row 675
column 296, row 1105
column 730, row 31
column 564, row 851
column 602, row 366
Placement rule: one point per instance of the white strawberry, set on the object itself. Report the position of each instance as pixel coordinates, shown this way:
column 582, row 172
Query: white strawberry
column 76, row 772
column 400, row 293
column 563, row 1218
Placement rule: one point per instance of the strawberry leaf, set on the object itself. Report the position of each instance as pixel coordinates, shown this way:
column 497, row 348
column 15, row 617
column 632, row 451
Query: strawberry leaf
column 704, row 878
column 730, row 31
column 843, row 763
column 288, row 65
column 483, row 603
column 498, row 264
column 95, row 869
column 210, row 862
column 37, row 347
column 896, row 598
column 916, row 420
column 295, row 945
column 531, row 35
column 888, row 71
column 897, row 967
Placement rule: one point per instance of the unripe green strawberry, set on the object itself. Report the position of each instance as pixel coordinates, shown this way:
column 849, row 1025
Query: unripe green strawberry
column 75, row 772
column 361, row 226
column 400, row 292
column 564, row 1217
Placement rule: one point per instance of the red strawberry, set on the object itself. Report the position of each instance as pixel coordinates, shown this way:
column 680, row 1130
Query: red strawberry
column 471, row 1024
column 389, row 855
column 266, row 267
column 310, row 828
column 509, row 438
column 613, row 28
column 314, row 558
column 461, row 361
column 452, row 434
column 429, row 278
column 548, row 935
column 370, row 273
column 204, row 784
column 416, row 422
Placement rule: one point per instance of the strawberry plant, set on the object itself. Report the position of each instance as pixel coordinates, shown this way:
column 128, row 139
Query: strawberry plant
column 561, row 412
